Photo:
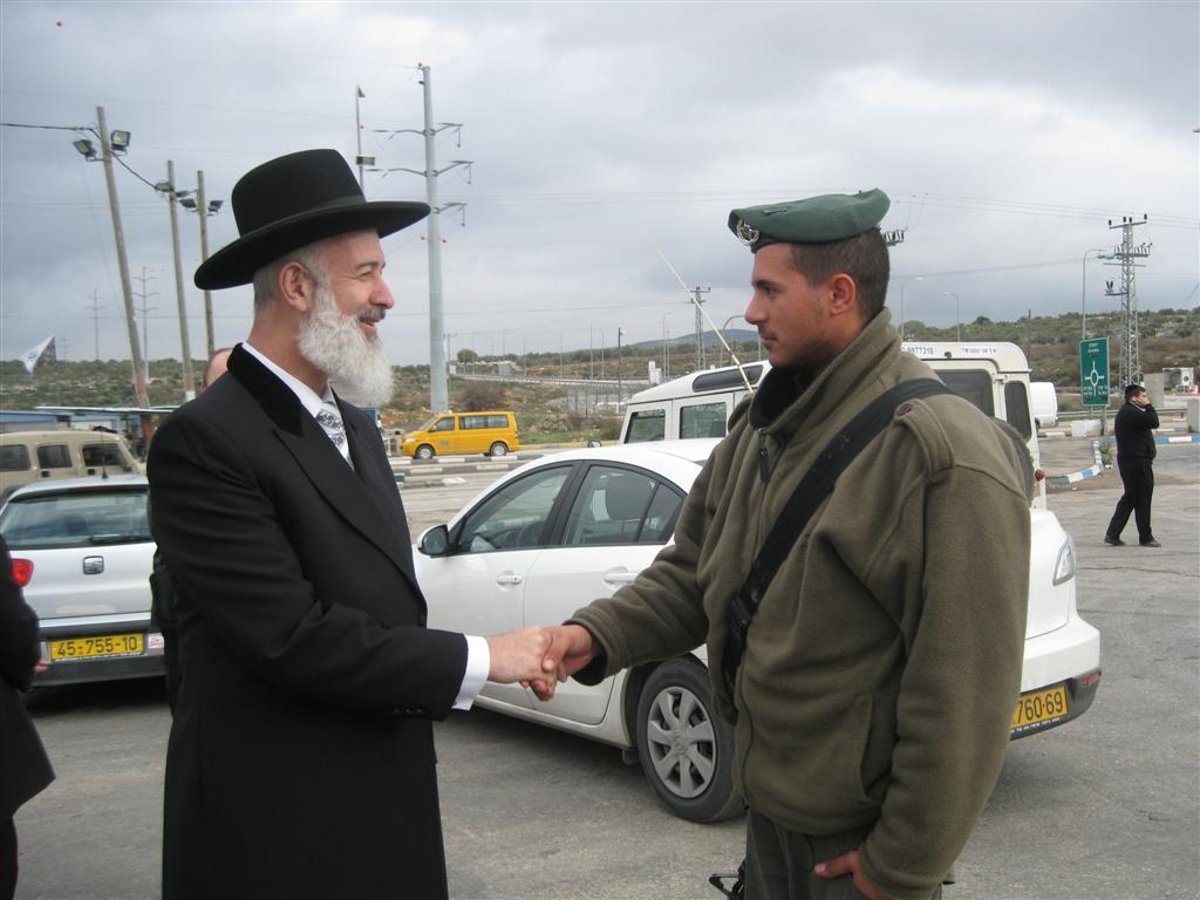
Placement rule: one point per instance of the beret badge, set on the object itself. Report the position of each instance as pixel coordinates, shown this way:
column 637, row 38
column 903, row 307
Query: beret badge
column 747, row 234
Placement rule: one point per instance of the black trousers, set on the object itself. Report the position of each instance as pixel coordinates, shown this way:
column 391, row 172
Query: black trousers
column 779, row 862
column 1138, row 478
column 8, row 858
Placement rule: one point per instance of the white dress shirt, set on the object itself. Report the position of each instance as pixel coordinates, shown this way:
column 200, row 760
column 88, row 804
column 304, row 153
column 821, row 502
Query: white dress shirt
column 479, row 657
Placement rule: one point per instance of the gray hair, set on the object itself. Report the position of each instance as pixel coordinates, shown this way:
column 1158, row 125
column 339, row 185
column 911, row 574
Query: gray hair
column 310, row 256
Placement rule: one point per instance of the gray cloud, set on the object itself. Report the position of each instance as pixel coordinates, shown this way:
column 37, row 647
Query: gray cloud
column 1006, row 134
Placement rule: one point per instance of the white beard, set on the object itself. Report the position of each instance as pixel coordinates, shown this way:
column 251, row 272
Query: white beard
column 352, row 360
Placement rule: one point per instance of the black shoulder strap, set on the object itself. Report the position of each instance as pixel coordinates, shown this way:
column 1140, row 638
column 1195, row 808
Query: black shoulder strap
column 816, row 485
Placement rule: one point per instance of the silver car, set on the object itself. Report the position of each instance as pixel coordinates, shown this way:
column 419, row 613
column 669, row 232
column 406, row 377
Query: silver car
column 82, row 552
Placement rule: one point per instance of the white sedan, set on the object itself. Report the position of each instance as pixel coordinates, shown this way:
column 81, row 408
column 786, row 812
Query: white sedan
column 560, row 531
column 82, row 552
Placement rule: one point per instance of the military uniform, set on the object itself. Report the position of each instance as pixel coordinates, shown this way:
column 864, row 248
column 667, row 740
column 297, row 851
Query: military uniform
column 881, row 670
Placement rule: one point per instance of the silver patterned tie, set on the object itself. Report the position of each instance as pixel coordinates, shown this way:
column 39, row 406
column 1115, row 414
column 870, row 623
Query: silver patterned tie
column 331, row 421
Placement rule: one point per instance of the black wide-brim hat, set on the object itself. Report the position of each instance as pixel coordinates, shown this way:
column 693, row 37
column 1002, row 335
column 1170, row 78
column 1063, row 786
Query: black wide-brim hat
column 292, row 201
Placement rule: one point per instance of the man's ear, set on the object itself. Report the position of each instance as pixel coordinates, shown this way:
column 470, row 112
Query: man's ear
column 843, row 295
column 296, row 286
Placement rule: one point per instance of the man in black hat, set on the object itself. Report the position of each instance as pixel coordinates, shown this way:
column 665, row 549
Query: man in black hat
column 301, row 758
column 872, row 679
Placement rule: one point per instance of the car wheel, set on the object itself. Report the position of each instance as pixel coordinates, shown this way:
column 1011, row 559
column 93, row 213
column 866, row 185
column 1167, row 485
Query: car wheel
column 424, row 452
column 498, row 449
column 685, row 750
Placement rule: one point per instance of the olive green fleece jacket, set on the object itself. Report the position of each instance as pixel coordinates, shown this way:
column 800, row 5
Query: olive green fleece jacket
column 883, row 665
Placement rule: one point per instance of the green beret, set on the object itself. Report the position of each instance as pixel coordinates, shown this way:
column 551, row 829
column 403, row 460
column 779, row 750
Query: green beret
column 815, row 220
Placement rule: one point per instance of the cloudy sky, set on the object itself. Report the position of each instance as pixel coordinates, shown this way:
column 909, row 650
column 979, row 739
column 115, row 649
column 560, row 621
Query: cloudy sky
column 1006, row 134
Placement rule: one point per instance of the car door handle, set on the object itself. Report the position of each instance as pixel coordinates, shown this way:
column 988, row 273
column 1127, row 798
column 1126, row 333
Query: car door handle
column 509, row 578
column 622, row 576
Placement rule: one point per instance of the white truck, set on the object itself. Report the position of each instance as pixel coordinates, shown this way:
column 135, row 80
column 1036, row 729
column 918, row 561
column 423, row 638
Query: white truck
column 992, row 375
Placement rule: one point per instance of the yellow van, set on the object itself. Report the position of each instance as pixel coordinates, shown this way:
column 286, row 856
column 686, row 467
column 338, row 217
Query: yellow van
column 491, row 432
column 28, row 456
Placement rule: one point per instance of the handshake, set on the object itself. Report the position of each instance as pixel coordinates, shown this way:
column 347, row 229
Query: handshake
column 539, row 658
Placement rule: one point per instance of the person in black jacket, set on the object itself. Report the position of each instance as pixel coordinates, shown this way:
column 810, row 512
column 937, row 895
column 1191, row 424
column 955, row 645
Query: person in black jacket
column 24, row 768
column 1134, row 429
column 301, row 762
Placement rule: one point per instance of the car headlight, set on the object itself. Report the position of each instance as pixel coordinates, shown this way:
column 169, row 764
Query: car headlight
column 1064, row 569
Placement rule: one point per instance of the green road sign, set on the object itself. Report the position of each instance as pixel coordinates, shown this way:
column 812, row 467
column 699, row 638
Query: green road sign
column 1093, row 371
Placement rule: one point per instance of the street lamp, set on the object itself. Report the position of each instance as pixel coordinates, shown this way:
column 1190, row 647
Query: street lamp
column 112, row 145
column 203, row 210
column 957, row 314
column 167, row 189
column 724, row 335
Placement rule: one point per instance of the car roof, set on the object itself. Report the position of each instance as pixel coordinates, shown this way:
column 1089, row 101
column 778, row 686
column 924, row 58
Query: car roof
column 696, row 450
column 87, row 483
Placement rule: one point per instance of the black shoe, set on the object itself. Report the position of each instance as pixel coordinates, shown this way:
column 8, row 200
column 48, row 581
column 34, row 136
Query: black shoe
column 1113, row 542
column 1150, row 543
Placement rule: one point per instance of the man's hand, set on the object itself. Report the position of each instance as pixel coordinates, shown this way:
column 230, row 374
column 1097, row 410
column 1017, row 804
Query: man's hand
column 847, row 864
column 519, row 656
column 571, row 649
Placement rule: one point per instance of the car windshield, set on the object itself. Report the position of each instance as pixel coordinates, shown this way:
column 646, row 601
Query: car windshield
column 76, row 519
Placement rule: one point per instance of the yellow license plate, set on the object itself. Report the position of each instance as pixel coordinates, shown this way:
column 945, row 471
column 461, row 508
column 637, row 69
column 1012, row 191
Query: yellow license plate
column 1040, row 706
column 97, row 647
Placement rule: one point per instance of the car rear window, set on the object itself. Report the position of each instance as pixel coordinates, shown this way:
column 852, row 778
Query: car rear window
column 647, row 425
column 83, row 518
column 703, row 420
column 102, row 455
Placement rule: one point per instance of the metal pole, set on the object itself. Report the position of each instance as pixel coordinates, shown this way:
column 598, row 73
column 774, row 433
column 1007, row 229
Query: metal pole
column 620, row 331
column 439, row 394
column 210, row 344
column 95, row 307
column 358, row 95
column 139, row 377
column 189, row 382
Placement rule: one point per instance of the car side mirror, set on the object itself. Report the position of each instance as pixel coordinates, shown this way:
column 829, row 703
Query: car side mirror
column 435, row 542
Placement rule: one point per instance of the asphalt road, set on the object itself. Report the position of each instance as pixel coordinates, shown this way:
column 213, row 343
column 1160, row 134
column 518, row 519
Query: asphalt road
column 1105, row 807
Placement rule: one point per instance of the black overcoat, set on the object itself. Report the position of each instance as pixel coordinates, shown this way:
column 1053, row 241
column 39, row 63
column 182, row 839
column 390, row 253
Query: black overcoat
column 301, row 758
column 24, row 768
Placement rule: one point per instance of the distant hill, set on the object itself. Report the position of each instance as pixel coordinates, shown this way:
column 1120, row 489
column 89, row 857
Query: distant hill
column 1169, row 337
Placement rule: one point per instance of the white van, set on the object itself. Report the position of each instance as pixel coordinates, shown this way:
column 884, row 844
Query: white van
column 1044, row 401
column 993, row 376
column 29, row 456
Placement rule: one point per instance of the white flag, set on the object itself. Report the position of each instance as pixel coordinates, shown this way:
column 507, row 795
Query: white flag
column 30, row 357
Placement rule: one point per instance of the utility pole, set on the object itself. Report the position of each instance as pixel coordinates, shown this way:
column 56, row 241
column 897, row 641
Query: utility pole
column 1131, row 362
column 439, row 392
column 359, row 159
column 146, row 310
column 202, row 209
column 139, row 374
column 189, row 381
column 95, row 306
column 620, row 331
column 699, row 301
